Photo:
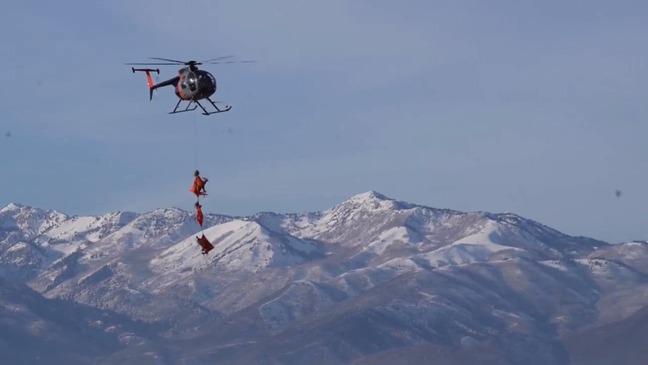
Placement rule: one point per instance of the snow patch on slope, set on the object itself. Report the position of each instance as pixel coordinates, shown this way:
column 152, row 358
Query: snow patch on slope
column 238, row 246
column 478, row 247
column 86, row 228
column 387, row 238
column 556, row 264
column 607, row 269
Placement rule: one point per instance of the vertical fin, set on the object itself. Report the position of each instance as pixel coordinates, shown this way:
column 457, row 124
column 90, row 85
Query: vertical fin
column 149, row 81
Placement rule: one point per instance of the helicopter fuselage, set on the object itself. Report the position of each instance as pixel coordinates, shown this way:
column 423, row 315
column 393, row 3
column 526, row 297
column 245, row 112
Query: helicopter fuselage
column 190, row 85
column 194, row 84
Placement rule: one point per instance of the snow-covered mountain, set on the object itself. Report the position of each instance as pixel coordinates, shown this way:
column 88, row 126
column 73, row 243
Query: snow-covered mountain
column 356, row 283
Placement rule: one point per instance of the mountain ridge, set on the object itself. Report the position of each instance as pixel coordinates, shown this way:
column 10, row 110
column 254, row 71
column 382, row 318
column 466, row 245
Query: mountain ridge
column 367, row 276
column 367, row 198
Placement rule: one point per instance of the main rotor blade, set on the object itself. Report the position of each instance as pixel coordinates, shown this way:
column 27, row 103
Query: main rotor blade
column 166, row 59
column 224, row 62
column 151, row 64
column 217, row 58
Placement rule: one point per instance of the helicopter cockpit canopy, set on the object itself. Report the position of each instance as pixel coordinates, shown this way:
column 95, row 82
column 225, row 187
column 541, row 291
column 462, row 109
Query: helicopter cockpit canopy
column 198, row 80
column 206, row 81
column 191, row 81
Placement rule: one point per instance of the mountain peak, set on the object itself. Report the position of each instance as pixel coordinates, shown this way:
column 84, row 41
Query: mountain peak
column 370, row 200
column 11, row 206
column 373, row 200
column 369, row 195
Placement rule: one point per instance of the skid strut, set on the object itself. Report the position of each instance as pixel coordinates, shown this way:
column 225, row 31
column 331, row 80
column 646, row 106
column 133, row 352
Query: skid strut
column 218, row 110
column 198, row 104
column 175, row 110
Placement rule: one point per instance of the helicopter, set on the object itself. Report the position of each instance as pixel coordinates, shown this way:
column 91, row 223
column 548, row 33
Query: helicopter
column 191, row 84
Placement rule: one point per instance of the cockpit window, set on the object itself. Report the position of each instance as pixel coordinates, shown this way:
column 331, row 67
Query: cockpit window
column 191, row 80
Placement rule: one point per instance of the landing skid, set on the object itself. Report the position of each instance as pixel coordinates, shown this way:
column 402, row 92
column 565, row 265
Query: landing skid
column 197, row 104
column 175, row 110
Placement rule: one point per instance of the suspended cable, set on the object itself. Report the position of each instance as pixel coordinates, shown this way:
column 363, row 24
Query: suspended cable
column 196, row 138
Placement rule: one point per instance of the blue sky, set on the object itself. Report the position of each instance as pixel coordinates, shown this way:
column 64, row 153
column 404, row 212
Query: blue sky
column 537, row 108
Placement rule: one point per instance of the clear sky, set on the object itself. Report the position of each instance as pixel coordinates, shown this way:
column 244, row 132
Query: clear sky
column 532, row 107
